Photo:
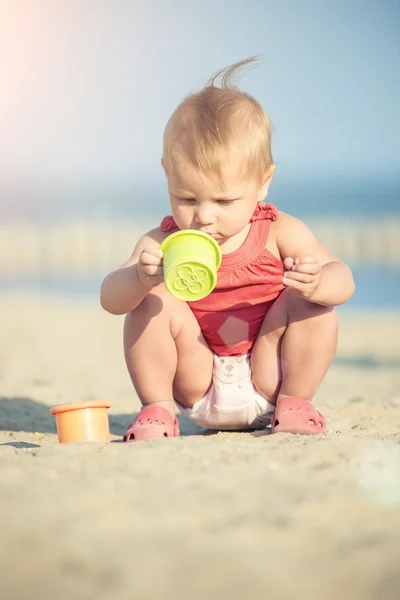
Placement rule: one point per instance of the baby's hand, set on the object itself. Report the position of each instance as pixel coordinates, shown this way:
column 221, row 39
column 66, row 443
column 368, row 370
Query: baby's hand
column 149, row 266
column 303, row 274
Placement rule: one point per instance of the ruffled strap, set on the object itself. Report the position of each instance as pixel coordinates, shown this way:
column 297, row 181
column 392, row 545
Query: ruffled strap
column 168, row 224
column 264, row 212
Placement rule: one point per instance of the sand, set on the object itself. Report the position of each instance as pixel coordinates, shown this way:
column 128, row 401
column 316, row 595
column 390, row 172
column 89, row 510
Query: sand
column 228, row 515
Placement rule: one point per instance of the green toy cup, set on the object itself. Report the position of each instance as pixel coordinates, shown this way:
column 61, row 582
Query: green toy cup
column 191, row 260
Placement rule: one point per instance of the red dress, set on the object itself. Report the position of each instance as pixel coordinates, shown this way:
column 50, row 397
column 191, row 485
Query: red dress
column 249, row 280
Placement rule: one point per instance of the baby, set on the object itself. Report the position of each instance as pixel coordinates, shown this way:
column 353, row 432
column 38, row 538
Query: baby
column 254, row 351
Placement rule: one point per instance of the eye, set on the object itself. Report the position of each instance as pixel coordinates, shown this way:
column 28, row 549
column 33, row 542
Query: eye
column 225, row 202
column 187, row 200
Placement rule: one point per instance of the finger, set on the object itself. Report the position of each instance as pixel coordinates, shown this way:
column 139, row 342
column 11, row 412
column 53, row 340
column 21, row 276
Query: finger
column 154, row 280
column 149, row 259
column 310, row 268
column 296, row 285
column 288, row 262
column 153, row 250
column 306, row 258
column 153, row 270
column 300, row 277
column 159, row 272
column 300, row 289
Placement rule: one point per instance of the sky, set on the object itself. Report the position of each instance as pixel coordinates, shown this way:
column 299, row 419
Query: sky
column 87, row 86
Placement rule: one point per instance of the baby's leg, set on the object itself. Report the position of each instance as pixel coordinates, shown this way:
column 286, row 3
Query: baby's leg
column 294, row 348
column 165, row 352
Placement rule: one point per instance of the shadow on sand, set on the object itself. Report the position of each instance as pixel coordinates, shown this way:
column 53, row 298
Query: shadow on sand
column 23, row 414
column 19, row 414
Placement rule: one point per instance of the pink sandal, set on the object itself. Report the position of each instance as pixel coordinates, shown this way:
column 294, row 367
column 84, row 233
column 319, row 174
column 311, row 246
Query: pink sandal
column 152, row 422
column 294, row 414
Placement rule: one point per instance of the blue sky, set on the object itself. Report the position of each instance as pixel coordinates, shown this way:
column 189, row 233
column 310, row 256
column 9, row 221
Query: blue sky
column 87, row 86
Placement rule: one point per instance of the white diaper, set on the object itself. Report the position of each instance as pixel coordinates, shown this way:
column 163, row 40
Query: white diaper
column 232, row 401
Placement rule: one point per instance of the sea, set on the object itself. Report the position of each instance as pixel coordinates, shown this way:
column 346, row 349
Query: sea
column 367, row 199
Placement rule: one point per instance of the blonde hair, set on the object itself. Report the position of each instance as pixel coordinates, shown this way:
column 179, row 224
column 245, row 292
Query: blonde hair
column 210, row 124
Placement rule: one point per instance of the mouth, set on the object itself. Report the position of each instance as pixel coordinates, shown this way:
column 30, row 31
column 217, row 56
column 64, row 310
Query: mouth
column 213, row 235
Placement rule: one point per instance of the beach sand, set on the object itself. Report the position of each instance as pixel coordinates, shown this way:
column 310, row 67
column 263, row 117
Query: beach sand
column 224, row 515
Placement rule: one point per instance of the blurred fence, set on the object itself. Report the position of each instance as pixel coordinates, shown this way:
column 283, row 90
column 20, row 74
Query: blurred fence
column 83, row 248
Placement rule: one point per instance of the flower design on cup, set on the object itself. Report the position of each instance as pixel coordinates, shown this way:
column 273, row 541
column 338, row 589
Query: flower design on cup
column 190, row 278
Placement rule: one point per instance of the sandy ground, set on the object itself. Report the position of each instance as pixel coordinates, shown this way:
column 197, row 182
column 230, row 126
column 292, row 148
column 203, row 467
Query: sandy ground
column 229, row 515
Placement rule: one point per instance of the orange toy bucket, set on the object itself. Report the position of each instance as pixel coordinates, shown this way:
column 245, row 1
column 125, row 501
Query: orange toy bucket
column 82, row 422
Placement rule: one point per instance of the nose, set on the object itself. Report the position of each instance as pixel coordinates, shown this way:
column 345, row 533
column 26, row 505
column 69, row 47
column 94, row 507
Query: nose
column 204, row 216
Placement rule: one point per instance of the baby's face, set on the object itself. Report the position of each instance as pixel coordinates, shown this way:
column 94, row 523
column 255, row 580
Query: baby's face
column 198, row 202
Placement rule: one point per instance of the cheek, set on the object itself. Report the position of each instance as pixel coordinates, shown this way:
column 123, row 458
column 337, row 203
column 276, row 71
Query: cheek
column 237, row 218
column 183, row 215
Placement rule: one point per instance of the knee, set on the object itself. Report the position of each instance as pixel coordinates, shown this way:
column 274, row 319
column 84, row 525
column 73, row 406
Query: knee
column 150, row 310
column 157, row 302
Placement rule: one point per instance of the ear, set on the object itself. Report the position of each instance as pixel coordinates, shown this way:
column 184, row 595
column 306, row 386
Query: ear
column 162, row 162
column 263, row 190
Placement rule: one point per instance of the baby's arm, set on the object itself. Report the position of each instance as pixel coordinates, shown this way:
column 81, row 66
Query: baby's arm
column 123, row 289
column 310, row 269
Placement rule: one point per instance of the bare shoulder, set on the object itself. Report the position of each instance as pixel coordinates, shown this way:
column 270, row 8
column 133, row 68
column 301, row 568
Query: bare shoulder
column 294, row 238
column 152, row 238
column 286, row 224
